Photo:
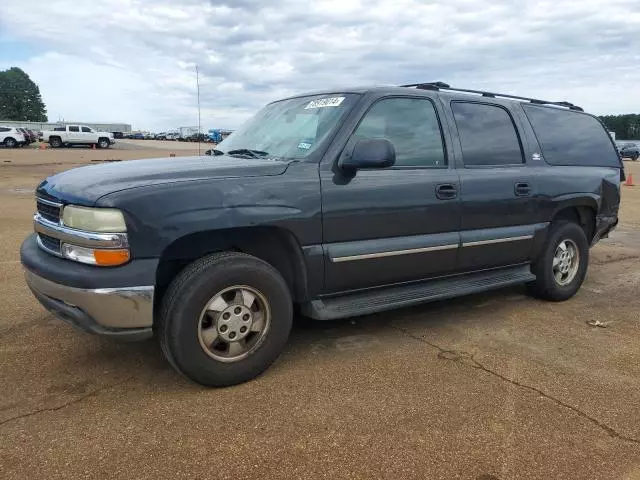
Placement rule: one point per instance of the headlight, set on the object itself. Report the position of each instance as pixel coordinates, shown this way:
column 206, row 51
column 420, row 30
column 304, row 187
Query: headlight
column 94, row 219
column 94, row 256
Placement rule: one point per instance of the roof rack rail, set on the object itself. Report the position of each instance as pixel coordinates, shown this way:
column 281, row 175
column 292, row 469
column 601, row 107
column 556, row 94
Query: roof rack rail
column 445, row 86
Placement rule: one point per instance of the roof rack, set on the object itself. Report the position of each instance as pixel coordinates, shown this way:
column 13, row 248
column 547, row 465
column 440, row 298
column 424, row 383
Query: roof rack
column 445, row 86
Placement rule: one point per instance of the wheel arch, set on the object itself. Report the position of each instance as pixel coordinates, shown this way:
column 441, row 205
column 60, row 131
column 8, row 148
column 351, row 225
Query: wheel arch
column 275, row 245
column 580, row 209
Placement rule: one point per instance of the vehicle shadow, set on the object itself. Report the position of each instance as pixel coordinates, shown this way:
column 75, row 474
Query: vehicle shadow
column 308, row 337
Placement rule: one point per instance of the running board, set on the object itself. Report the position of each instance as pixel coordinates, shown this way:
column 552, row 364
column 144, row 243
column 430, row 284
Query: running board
column 364, row 303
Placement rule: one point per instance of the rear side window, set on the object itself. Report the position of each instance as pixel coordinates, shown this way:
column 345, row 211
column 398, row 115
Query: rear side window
column 487, row 134
column 59, row 129
column 5, row 129
column 568, row 137
column 74, row 129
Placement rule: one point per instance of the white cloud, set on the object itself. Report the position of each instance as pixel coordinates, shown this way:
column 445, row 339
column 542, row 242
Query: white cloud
column 132, row 60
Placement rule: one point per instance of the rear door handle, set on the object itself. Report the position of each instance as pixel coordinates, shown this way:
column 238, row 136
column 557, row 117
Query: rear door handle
column 446, row 191
column 522, row 189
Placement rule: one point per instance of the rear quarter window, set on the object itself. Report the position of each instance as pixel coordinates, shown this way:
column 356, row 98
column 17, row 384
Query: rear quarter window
column 570, row 138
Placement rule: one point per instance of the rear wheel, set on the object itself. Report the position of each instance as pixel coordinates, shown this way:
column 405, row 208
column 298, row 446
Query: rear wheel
column 55, row 142
column 225, row 319
column 562, row 264
column 10, row 142
column 635, row 156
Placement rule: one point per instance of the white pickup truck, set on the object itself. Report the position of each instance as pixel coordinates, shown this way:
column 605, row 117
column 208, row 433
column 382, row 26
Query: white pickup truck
column 77, row 135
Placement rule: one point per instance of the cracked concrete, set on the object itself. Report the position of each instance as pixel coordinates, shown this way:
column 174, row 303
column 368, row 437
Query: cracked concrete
column 467, row 359
column 490, row 387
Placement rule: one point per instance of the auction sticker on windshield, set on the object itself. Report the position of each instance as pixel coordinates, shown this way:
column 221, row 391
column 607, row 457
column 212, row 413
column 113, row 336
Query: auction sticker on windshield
column 325, row 102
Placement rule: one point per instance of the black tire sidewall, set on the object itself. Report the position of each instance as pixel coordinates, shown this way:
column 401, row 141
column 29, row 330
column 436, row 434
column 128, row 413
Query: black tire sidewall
column 545, row 281
column 10, row 143
column 183, row 315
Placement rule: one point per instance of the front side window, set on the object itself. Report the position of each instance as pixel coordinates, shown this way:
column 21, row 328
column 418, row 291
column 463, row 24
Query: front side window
column 487, row 134
column 86, row 129
column 290, row 128
column 411, row 124
column 74, row 129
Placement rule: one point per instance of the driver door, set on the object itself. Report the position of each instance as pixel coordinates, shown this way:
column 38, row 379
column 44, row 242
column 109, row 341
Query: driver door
column 398, row 224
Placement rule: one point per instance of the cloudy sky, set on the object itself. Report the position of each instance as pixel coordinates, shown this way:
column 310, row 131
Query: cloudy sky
column 133, row 60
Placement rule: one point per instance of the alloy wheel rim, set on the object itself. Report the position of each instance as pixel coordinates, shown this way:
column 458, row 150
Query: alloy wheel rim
column 234, row 323
column 566, row 261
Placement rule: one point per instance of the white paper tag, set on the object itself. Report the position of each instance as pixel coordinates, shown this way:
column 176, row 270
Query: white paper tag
column 304, row 146
column 325, row 102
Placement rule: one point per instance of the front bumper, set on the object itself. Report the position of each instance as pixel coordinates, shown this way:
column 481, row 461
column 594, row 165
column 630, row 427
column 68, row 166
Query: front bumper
column 98, row 300
column 115, row 312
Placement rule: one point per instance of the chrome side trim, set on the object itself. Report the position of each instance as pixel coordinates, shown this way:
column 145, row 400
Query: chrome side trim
column 497, row 240
column 393, row 253
column 126, row 307
column 79, row 237
column 48, row 202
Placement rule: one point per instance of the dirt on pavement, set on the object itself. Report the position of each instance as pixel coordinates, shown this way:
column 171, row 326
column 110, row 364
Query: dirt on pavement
column 491, row 386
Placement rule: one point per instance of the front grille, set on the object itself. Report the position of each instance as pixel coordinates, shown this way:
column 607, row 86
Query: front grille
column 50, row 212
column 50, row 243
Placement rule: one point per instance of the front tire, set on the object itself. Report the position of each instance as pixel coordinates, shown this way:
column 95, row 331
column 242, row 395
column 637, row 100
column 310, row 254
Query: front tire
column 225, row 319
column 562, row 265
column 103, row 143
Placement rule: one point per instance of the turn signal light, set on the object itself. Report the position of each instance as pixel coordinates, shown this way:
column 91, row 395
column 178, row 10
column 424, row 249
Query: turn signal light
column 107, row 258
column 100, row 257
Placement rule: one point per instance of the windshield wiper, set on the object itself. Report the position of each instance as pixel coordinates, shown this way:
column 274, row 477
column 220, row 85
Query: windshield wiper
column 249, row 152
column 214, row 151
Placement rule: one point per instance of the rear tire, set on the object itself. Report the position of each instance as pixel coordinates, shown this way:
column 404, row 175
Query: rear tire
column 562, row 265
column 10, row 142
column 55, row 142
column 635, row 156
column 191, row 327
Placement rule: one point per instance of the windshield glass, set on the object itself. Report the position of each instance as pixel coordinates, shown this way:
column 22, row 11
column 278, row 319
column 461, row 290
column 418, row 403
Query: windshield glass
column 289, row 128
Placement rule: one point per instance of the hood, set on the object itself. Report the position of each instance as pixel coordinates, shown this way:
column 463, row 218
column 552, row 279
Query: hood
column 85, row 185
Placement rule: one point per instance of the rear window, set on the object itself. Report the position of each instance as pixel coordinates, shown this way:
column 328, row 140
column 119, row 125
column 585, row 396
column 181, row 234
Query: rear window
column 571, row 138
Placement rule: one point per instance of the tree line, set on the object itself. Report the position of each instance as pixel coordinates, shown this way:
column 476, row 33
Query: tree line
column 626, row 127
column 20, row 98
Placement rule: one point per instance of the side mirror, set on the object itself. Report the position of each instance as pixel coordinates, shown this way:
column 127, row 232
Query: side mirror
column 369, row 153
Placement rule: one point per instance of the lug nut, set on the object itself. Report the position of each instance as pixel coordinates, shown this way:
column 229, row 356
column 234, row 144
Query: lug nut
column 243, row 329
column 226, row 315
column 245, row 317
column 237, row 310
column 232, row 335
column 223, row 328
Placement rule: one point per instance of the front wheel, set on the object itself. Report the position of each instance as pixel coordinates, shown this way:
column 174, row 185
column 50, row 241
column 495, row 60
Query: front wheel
column 562, row 264
column 225, row 319
column 103, row 143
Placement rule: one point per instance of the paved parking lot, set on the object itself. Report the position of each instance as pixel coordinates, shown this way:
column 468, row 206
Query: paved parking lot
column 492, row 386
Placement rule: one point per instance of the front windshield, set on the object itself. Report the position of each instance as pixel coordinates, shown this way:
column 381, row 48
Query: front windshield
column 290, row 128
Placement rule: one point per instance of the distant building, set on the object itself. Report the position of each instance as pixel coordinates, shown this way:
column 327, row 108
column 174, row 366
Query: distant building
column 115, row 128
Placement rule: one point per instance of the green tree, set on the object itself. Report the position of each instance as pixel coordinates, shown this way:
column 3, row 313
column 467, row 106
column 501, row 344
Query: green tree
column 626, row 127
column 20, row 98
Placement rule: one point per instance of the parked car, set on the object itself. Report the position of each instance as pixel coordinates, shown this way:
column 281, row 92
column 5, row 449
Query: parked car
column 171, row 136
column 11, row 137
column 630, row 150
column 34, row 136
column 366, row 200
column 161, row 136
column 77, row 135
column 27, row 136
